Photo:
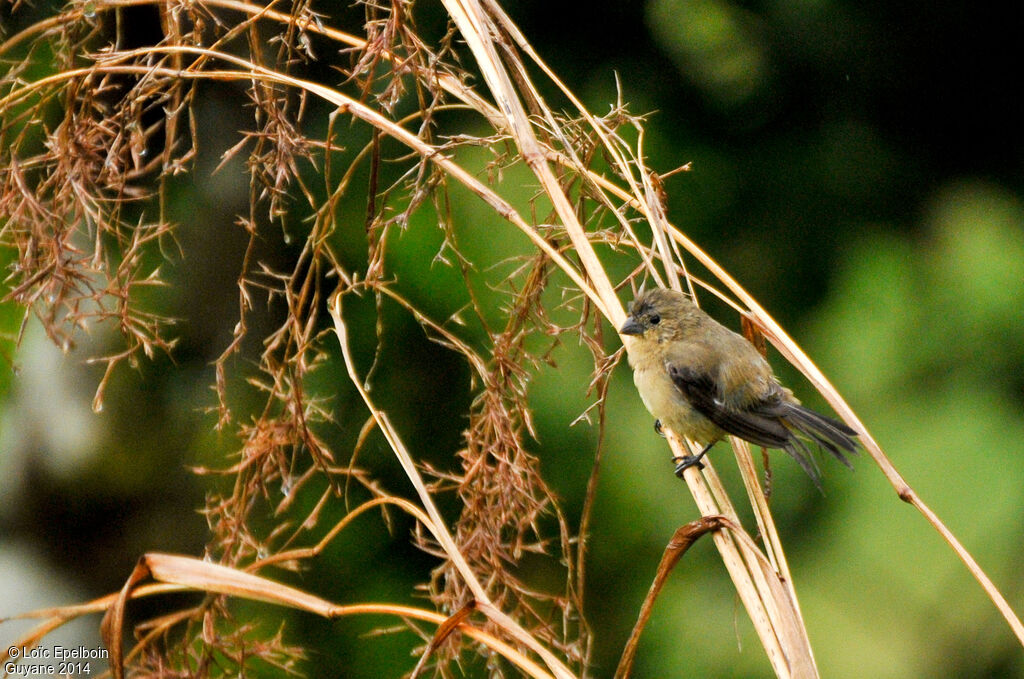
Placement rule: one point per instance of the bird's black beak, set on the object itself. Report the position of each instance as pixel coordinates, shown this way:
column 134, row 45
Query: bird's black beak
column 631, row 327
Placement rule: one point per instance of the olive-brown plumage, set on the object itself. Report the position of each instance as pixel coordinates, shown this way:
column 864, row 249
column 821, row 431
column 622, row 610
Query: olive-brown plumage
column 703, row 381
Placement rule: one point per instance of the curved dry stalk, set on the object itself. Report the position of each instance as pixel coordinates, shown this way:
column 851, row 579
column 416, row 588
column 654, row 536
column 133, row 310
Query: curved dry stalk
column 315, row 550
column 684, row 538
column 681, row 541
column 190, row 573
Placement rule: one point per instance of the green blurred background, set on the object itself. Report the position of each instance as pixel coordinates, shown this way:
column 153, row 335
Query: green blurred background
column 856, row 165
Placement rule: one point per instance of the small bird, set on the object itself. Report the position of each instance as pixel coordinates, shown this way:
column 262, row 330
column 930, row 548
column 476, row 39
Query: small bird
column 704, row 381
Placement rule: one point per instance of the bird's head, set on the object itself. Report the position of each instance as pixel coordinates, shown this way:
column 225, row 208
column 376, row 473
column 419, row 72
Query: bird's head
column 659, row 314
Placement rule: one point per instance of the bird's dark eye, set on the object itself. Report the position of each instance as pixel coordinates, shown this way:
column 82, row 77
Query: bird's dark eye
column 655, row 319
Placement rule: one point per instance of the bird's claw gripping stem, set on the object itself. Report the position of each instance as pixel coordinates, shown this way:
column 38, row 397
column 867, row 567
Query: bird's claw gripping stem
column 686, row 461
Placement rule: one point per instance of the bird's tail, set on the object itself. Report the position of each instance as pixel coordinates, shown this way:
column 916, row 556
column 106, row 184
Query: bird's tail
column 830, row 434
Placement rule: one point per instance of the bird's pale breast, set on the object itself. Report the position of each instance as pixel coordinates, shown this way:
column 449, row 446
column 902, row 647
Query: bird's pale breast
column 665, row 402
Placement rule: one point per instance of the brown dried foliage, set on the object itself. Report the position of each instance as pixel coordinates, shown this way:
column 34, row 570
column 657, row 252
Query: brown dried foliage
column 88, row 153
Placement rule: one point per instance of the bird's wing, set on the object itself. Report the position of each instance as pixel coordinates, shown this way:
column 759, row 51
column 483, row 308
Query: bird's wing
column 757, row 423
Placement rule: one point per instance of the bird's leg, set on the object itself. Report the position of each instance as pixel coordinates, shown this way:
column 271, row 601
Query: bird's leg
column 685, row 462
column 658, row 430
